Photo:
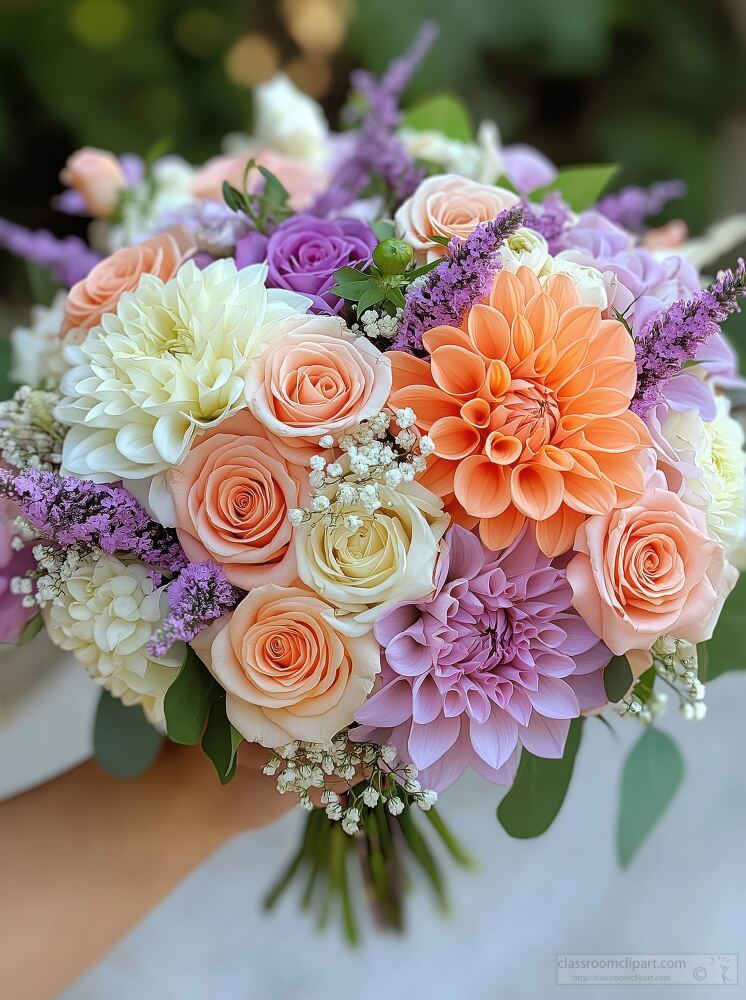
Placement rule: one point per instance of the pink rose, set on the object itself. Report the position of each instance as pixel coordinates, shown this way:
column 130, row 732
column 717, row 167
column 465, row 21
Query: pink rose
column 288, row 673
column 232, row 494
column 97, row 176
column 99, row 292
column 448, row 205
column 302, row 182
column 649, row 570
column 316, row 379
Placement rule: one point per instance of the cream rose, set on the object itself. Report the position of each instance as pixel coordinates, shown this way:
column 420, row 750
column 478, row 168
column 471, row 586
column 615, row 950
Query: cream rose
column 649, row 570
column 288, row 672
column 316, row 379
column 389, row 557
column 448, row 205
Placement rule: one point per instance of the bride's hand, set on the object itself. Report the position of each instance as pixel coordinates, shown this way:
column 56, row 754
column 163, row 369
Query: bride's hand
column 84, row 857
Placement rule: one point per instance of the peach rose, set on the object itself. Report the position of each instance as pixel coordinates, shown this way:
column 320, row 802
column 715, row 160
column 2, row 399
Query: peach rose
column 231, row 496
column 100, row 291
column 301, row 181
column 448, row 205
column 649, row 570
column 315, row 379
column 97, row 176
column 288, row 673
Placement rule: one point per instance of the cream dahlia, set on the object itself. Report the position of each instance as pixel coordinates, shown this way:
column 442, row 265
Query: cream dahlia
column 170, row 362
column 105, row 613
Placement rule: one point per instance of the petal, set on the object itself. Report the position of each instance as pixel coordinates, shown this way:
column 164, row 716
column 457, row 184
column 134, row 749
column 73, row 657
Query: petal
column 545, row 737
column 554, row 699
column 536, row 490
column 481, row 487
column 454, row 438
column 457, row 371
column 495, row 739
column 428, row 743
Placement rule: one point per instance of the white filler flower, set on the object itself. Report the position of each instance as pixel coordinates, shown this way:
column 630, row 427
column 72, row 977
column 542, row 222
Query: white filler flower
column 170, row 362
column 36, row 357
column 105, row 613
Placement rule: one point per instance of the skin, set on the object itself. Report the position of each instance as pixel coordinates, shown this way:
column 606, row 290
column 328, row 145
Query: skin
column 86, row 856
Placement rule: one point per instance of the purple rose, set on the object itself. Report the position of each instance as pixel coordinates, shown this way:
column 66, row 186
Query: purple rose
column 304, row 252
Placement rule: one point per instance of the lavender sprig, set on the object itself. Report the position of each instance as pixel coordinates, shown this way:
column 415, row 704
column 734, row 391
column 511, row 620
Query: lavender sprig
column 198, row 596
column 671, row 337
column 631, row 206
column 377, row 150
column 68, row 260
column 550, row 219
column 78, row 513
column 460, row 280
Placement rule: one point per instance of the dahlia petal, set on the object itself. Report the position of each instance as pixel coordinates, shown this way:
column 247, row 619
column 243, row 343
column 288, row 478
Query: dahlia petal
column 500, row 531
column 536, row 490
column 427, row 401
column 407, row 654
column 522, row 339
column 520, row 706
column 427, row 701
column 465, row 555
column 544, row 737
column 395, row 620
column 389, row 706
column 428, row 743
column 560, row 288
column 542, row 314
column 504, row 775
column 482, row 488
column 495, row 739
column 457, row 371
column 407, row 370
column 454, row 438
column 589, row 690
column 489, row 332
column 507, row 295
column 476, row 412
column 440, row 336
column 554, row 698
column 577, row 323
column 555, row 535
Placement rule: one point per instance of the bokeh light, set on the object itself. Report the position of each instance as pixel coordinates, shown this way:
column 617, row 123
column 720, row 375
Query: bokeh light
column 101, row 24
column 251, row 59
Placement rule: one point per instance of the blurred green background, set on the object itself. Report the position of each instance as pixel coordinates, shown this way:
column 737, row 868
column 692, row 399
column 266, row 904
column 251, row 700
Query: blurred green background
column 657, row 85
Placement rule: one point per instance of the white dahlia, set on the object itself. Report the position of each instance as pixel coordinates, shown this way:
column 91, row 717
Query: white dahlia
column 170, row 362
column 105, row 613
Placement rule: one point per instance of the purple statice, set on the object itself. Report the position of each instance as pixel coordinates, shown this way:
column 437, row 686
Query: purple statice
column 200, row 594
column 67, row 260
column 631, row 206
column 78, row 513
column 550, row 219
column 671, row 337
column 464, row 276
column 494, row 659
column 377, row 151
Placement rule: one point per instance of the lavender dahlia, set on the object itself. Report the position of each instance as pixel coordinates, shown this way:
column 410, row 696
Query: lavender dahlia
column 497, row 657
column 463, row 277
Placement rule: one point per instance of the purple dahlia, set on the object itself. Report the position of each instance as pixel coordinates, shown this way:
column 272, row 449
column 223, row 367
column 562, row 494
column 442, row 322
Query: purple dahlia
column 496, row 658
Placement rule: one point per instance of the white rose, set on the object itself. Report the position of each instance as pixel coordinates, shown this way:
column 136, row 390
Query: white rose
column 589, row 282
column 480, row 161
column 290, row 121
column 389, row 557
column 714, row 452
column 526, row 248
column 105, row 614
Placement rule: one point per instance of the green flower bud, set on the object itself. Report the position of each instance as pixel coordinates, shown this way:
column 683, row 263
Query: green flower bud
column 392, row 256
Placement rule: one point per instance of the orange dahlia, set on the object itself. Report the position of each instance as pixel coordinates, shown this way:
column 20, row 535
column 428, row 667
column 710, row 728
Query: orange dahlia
column 528, row 408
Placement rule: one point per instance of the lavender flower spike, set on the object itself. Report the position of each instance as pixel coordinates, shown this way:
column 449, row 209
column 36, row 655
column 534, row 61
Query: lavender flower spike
column 460, row 280
column 68, row 260
column 198, row 596
column 377, row 150
column 631, row 206
column 74, row 512
column 670, row 338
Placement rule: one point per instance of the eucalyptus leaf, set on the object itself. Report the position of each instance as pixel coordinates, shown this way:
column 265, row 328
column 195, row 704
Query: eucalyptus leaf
column 580, row 187
column 442, row 113
column 725, row 650
column 220, row 740
column 618, row 678
column 652, row 773
column 124, row 742
column 188, row 700
column 539, row 789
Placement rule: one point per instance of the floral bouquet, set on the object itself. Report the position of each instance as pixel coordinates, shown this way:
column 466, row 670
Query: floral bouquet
column 394, row 451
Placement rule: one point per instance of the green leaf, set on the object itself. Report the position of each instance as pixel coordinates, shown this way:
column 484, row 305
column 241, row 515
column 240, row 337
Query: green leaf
column 424, row 856
column 188, row 700
column 539, row 789
column 443, row 113
column 504, row 182
column 580, row 186
column 395, row 297
column 30, row 630
column 42, row 285
column 725, row 651
column 233, row 198
column 425, row 269
column 220, row 740
column 444, row 241
column 703, row 662
column 618, row 678
column 652, row 773
column 351, row 290
column 370, row 297
column 274, row 192
column 345, row 275
column 383, row 229
column 124, row 742
column 7, row 388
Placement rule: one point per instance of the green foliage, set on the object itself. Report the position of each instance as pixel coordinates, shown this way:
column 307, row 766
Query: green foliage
column 30, row 630
column 580, row 186
column 374, row 289
column 539, row 789
column 617, row 678
column 442, row 113
column 652, row 773
column 220, row 741
column 725, row 651
column 124, row 742
column 7, row 388
column 270, row 205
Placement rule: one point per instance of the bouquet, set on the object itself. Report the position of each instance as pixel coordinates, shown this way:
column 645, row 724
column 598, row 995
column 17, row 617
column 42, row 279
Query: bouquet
column 394, row 451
